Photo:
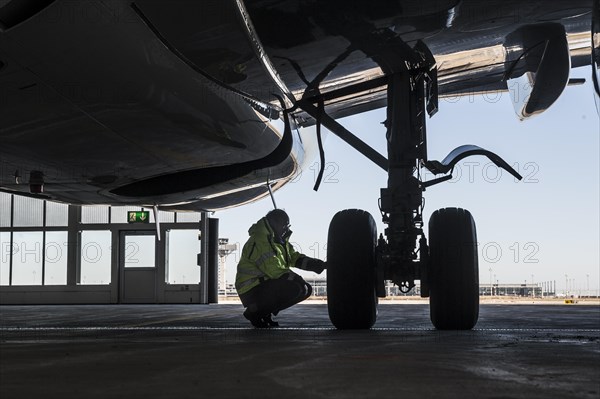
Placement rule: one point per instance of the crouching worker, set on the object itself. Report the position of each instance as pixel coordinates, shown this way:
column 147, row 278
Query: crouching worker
column 264, row 280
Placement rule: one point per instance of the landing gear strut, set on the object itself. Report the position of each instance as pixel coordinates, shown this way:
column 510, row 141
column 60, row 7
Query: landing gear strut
column 447, row 266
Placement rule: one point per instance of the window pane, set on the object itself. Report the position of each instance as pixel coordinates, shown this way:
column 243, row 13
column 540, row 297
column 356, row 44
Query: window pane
column 182, row 257
column 27, row 258
column 163, row 216
column 95, row 257
column 4, row 258
column 4, row 210
column 56, row 258
column 94, row 214
column 28, row 212
column 140, row 250
column 188, row 217
column 57, row 214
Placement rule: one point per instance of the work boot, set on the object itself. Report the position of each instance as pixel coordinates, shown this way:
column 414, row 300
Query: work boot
column 270, row 322
column 255, row 319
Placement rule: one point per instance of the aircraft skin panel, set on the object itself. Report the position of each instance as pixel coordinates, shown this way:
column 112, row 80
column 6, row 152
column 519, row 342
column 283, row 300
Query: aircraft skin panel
column 364, row 38
column 210, row 34
column 101, row 95
column 111, row 105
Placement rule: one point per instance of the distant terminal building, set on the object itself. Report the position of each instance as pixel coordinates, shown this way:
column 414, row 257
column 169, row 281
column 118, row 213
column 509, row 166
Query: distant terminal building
column 538, row 290
column 541, row 290
column 522, row 290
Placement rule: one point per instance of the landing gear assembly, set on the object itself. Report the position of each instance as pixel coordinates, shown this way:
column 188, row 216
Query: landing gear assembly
column 359, row 262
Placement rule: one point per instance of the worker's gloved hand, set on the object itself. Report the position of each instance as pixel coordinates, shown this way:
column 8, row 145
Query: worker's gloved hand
column 311, row 264
column 315, row 265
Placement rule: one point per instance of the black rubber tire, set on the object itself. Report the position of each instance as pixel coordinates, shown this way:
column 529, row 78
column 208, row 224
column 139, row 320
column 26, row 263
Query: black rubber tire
column 453, row 270
column 351, row 296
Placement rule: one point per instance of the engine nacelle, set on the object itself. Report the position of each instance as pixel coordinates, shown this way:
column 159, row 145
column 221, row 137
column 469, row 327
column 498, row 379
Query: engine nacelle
column 538, row 63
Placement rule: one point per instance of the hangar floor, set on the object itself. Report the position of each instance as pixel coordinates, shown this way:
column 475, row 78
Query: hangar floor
column 181, row 351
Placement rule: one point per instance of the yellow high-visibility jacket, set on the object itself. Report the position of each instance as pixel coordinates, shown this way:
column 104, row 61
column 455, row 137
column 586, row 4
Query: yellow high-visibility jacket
column 263, row 258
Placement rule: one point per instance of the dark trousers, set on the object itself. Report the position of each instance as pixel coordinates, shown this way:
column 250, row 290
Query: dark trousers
column 272, row 296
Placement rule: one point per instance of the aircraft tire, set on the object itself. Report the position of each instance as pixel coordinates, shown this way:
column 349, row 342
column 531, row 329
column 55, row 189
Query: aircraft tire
column 351, row 295
column 454, row 270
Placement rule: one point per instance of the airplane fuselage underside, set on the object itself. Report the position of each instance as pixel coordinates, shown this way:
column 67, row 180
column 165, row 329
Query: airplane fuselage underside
column 99, row 97
column 95, row 100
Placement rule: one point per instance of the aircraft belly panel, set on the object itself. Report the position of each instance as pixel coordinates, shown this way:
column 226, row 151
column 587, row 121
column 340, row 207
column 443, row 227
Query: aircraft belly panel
column 211, row 36
column 100, row 95
column 100, row 102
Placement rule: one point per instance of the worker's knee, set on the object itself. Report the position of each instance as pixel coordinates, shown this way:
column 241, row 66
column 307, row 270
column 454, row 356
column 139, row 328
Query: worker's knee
column 307, row 291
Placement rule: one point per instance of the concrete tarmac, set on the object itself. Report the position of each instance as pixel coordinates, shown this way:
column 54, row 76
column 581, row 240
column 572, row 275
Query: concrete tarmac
column 211, row 351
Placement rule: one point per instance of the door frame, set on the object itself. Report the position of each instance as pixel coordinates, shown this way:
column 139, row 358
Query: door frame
column 121, row 264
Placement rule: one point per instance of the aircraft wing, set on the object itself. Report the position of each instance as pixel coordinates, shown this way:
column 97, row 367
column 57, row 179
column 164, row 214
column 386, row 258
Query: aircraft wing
column 340, row 54
column 181, row 103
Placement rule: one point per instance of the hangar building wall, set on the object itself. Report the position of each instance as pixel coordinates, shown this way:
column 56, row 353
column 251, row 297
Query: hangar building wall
column 52, row 253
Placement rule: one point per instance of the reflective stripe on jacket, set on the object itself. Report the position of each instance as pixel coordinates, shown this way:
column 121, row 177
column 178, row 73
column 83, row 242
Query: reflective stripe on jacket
column 263, row 258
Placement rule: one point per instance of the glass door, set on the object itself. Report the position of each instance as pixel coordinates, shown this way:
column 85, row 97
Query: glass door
column 137, row 264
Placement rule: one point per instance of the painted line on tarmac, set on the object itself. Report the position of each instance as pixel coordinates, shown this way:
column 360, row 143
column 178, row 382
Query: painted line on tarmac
column 204, row 328
column 172, row 328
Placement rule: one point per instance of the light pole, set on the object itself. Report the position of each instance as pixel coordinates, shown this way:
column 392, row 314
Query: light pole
column 587, row 287
column 225, row 248
column 566, row 285
column 490, row 281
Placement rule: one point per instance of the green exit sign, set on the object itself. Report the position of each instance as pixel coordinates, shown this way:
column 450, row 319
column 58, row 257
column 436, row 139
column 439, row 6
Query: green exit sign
column 138, row 217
